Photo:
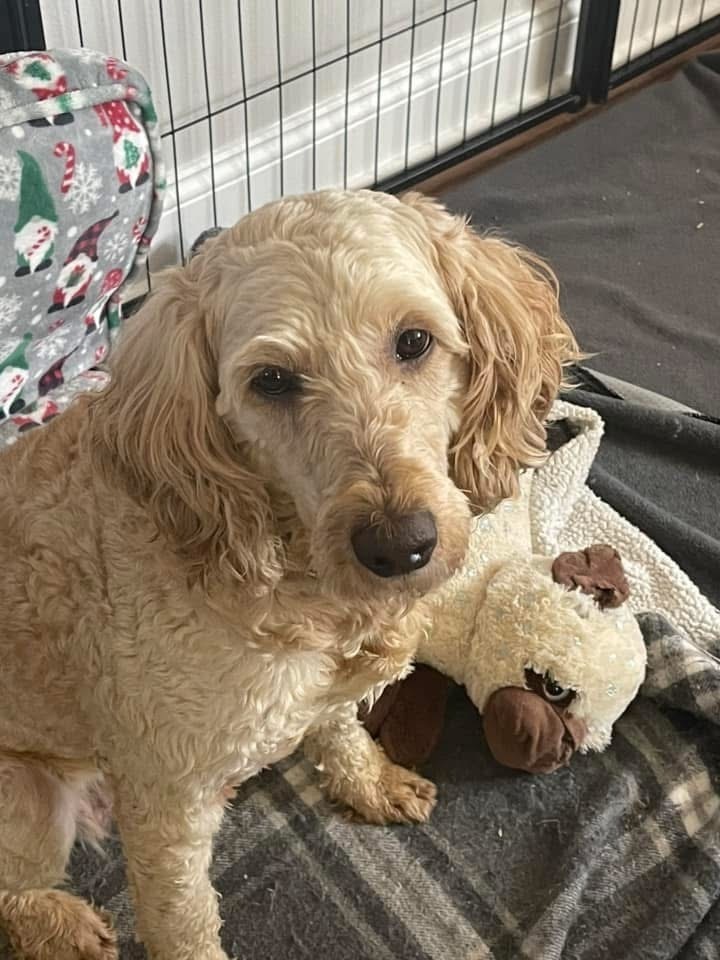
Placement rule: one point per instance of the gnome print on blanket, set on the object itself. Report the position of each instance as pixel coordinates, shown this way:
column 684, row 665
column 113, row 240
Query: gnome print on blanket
column 41, row 73
column 130, row 147
column 37, row 221
column 77, row 271
column 546, row 648
column 14, row 375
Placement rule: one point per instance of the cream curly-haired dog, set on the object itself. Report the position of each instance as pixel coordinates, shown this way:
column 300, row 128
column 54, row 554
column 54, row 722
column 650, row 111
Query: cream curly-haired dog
column 225, row 550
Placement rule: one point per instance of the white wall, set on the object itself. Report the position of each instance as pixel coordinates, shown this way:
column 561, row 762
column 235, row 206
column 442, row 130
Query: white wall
column 645, row 24
column 378, row 114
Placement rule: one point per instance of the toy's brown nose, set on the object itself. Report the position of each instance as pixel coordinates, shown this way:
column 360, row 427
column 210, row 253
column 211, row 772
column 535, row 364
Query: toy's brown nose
column 398, row 546
column 523, row 731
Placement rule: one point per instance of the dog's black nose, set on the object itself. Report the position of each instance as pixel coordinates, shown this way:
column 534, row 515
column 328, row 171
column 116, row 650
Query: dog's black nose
column 397, row 547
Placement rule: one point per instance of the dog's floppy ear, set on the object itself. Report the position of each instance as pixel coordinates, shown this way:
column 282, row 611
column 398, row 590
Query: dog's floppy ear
column 506, row 300
column 156, row 428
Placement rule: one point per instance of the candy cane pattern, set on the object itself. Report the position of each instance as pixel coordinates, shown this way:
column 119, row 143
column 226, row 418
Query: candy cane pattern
column 65, row 149
column 43, row 235
column 115, row 70
column 138, row 231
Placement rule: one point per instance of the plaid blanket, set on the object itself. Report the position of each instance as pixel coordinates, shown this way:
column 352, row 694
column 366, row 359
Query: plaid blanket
column 616, row 856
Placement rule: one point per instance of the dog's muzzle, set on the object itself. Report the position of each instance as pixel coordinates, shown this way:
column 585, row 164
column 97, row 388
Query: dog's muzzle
column 397, row 547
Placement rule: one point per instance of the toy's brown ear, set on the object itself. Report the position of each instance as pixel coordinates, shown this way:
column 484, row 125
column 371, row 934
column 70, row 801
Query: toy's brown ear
column 597, row 571
column 408, row 719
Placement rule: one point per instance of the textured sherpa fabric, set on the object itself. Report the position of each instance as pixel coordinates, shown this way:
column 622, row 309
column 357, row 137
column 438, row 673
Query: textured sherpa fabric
column 567, row 515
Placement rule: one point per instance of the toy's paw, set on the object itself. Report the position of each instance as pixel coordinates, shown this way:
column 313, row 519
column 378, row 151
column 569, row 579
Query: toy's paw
column 397, row 796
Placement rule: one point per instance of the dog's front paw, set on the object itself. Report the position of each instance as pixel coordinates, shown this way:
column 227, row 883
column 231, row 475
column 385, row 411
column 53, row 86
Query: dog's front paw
column 54, row 925
column 397, row 796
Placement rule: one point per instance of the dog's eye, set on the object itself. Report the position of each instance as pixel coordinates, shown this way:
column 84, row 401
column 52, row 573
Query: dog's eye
column 274, row 381
column 412, row 344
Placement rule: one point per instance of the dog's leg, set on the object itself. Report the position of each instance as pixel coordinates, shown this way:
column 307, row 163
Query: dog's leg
column 356, row 772
column 167, row 836
column 39, row 812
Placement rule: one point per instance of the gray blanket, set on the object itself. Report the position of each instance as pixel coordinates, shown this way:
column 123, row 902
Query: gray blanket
column 617, row 856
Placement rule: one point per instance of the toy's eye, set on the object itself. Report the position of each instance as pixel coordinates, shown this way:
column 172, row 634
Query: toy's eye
column 554, row 692
column 545, row 686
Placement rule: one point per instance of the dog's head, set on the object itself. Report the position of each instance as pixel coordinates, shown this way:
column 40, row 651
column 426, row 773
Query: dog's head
column 368, row 361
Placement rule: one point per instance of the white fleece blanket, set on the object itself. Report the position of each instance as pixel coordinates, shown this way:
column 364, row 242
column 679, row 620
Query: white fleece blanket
column 565, row 514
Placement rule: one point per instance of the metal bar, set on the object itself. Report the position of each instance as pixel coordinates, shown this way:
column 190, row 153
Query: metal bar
column 484, row 141
column 122, row 29
column 496, row 85
column 209, row 115
column 174, row 143
column 438, row 101
column 379, row 92
column 346, row 128
column 469, row 71
column 410, row 85
column 329, row 63
column 679, row 17
column 21, row 26
column 78, row 17
column 556, row 41
column 666, row 51
column 657, row 23
column 314, row 97
column 280, row 97
column 244, row 102
column 527, row 56
column 597, row 28
column 632, row 31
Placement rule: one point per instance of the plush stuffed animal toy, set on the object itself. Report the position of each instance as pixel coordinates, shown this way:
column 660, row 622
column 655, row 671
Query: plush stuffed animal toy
column 545, row 648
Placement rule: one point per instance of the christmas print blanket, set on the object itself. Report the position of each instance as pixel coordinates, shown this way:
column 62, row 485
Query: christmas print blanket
column 81, row 182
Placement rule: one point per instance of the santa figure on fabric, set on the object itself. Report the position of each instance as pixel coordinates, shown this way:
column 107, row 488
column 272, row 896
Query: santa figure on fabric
column 41, row 73
column 37, row 221
column 77, row 272
column 130, row 147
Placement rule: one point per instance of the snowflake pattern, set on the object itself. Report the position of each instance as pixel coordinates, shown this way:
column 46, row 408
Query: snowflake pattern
column 50, row 348
column 86, row 188
column 115, row 246
column 9, row 177
column 9, row 308
column 84, row 55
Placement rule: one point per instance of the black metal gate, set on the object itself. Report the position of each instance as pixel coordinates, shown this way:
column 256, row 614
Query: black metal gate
column 595, row 71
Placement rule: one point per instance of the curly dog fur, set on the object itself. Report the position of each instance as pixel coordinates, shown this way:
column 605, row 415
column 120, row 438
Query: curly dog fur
column 181, row 603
